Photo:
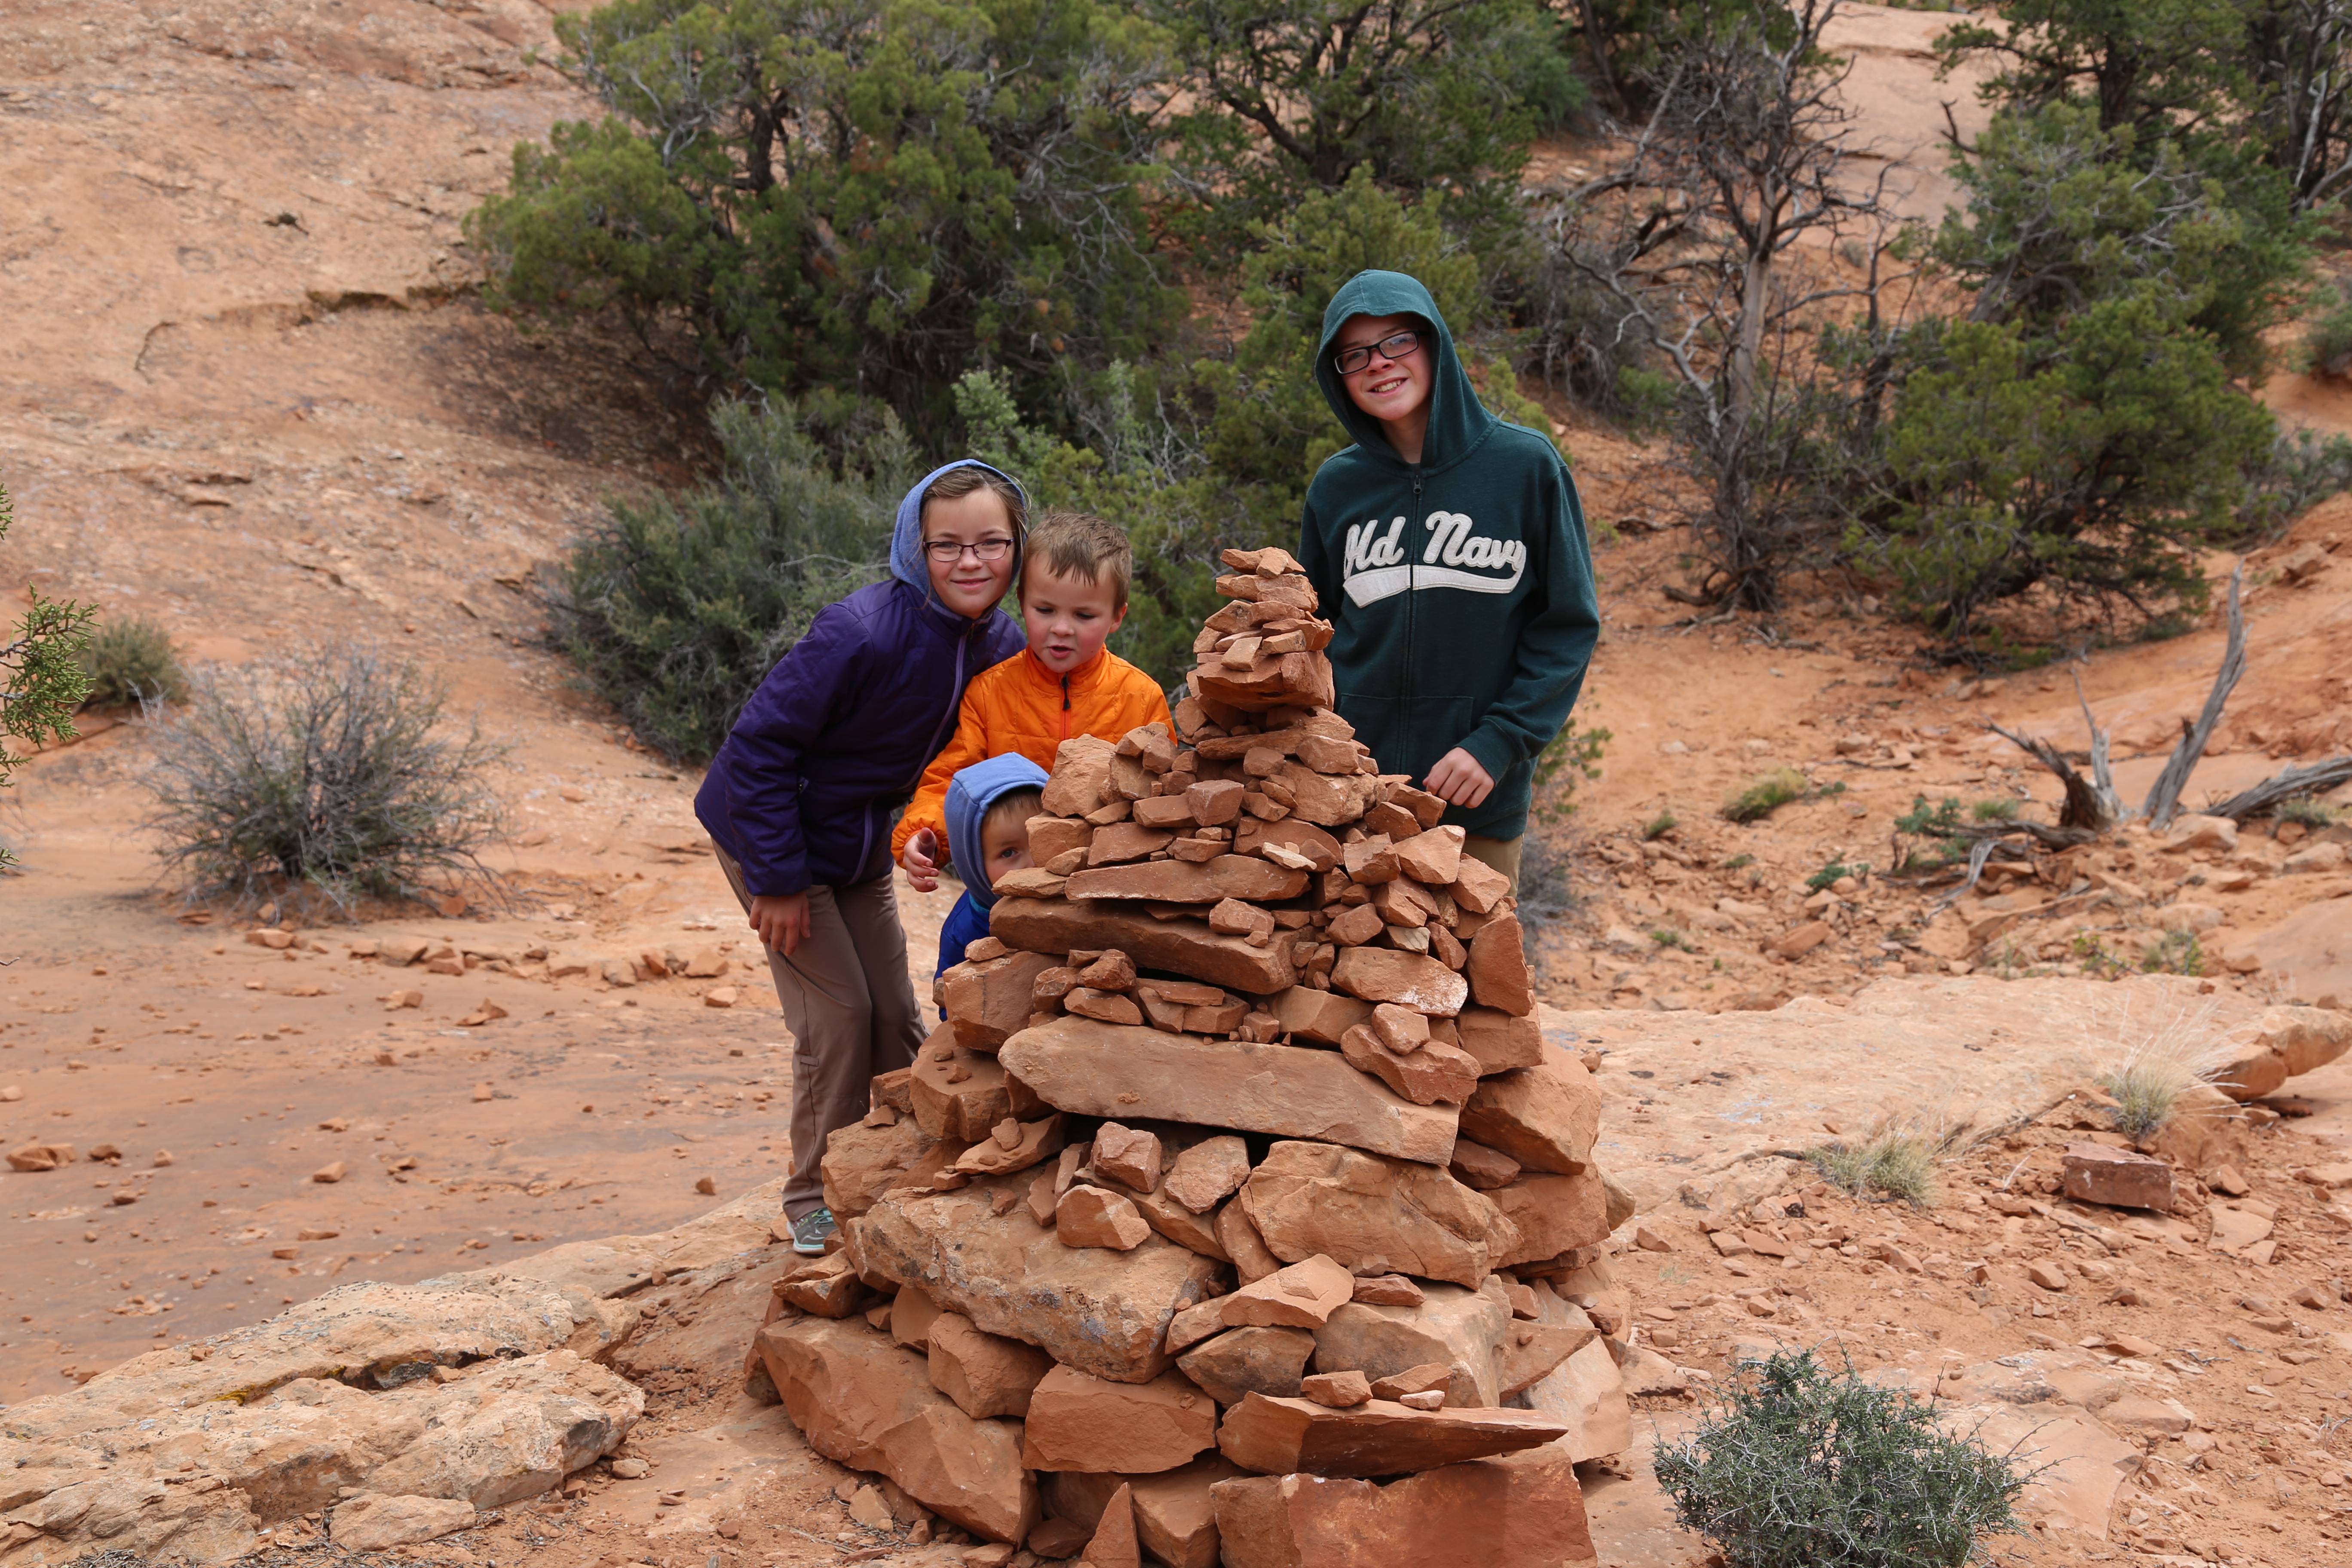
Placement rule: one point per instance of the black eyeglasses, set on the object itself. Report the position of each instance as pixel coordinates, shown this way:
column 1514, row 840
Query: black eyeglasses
column 1397, row 346
column 947, row 550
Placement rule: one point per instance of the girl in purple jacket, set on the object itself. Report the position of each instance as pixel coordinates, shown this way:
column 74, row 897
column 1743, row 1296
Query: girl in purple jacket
column 799, row 800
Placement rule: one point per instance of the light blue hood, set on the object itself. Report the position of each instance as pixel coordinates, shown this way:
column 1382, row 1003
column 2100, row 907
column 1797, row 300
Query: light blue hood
column 907, row 540
column 973, row 792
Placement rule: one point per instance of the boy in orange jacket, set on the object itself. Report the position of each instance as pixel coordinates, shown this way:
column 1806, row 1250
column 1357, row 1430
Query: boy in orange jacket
column 1074, row 574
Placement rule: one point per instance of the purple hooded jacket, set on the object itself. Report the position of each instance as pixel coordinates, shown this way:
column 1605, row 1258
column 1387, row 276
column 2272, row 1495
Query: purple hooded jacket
column 838, row 736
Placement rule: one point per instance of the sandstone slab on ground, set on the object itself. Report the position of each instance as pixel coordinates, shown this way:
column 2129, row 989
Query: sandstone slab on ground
column 1256, row 1360
column 2282, row 1043
column 1101, row 1312
column 1081, row 1423
column 1374, row 1215
column 864, row 1401
column 2120, row 1178
column 1175, row 1518
column 1546, row 1117
column 1517, row 1511
column 512, row 1431
column 371, row 1523
column 1288, row 1091
column 1379, row 1438
column 1462, row 1330
column 1186, row 946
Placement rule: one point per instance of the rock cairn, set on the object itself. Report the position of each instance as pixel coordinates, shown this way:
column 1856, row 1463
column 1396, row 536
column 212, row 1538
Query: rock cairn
column 1221, row 1218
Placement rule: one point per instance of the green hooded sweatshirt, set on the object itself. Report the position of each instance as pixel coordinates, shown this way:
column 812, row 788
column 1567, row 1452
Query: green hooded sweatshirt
column 1461, row 587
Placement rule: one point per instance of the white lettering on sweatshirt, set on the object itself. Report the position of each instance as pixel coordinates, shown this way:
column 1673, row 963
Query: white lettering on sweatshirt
column 1374, row 566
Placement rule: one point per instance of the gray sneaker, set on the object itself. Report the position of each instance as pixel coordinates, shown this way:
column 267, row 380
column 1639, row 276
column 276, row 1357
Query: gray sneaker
column 810, row 1231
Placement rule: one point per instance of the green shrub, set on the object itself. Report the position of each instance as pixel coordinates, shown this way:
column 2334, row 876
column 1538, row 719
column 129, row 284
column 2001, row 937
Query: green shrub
column 42, row 680
column 1765, row 794
column 2001, row 808
column 132, row 661
column 322, row 775
column 1833, row 871
column 1738, row 862
column 2168, row 1056
column 1658, row 826
column 2300, row 471
column 2174, row 952
column 2310, row 812
column 1939, row 825
column 1573, row 753
column 2327, row 341
column 1794, row 1464
column 1894, row 1162
column 1667, row 936
column 676, row 608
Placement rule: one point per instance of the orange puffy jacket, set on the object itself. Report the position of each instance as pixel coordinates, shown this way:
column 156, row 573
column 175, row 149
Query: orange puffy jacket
column 1020, row 705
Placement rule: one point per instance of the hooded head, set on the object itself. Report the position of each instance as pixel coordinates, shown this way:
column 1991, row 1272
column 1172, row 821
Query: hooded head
column 971, row 793
column 907, row 561
column 1457, row 421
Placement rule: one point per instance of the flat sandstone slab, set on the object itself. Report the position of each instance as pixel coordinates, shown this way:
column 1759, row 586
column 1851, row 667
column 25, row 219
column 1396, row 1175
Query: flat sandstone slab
column 1119, row 1070
column 1524, row 1510
column 1101, row 1312
column 1378, row 1437
column 1186, row 947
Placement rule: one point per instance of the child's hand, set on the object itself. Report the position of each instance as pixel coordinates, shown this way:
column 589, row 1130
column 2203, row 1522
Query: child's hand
column 1458, row 778
column 782, row 924
column 922, row 860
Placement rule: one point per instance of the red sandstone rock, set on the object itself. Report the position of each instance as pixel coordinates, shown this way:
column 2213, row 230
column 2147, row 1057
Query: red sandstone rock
column 2121, row 1178
column 1522, row 1510
column 1388, row 1290
column 1285, row 1089
column 1374, row 1215
column 1379, row 1438
column 1175, row 1520
column 1545, row 1117
column 862, row 1162
column 1435, row 1074
column 1319, row 1018
column 1466, row 1331
column 1114, row 1544
column 1409, row 979
column 1337, row 1390
column 1128, row 1155
column 1553, row 1214
column 985, row 1375
column 1475, row 1165
column 1500, row 1041
column 1478, row 887
column 865, row 1403
column 986, row 1002
column 1301, row 1296
column 1090, row 1216
column 827, row 1288
column 1241, row 877
column 1081, row 1423
column 1185, row 946
column 1259, row 1358
column 1243, row 1246
column 959, row 1093
column 1497, row 970
column 1208, row 1173
column 1080, row 777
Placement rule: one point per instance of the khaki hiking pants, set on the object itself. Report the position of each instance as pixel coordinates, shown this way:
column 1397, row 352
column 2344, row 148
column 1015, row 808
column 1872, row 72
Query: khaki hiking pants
column 852, row 1012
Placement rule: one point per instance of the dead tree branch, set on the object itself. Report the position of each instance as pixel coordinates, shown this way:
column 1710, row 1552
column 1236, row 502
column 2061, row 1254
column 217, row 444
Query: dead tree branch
column 2085, row 808
column 2303, row 778
column 2164, row 795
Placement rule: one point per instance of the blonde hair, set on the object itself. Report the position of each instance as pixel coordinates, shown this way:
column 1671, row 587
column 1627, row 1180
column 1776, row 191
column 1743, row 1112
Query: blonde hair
column 1024, row 803
column 1080, row 544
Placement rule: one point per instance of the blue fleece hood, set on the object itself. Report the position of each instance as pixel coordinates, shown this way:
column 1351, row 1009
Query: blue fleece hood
column 907, row 539
column 973, row 792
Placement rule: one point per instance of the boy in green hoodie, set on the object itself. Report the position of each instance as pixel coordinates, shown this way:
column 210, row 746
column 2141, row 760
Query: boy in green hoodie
column 1448, row 549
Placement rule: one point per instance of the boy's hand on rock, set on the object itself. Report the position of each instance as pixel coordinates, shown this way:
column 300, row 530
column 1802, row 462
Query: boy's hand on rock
column 922, row 860
column 1458, row 778
column 782, row 924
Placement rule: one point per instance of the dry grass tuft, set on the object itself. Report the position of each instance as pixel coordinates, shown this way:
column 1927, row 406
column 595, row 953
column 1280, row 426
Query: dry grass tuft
column 2163, row 1056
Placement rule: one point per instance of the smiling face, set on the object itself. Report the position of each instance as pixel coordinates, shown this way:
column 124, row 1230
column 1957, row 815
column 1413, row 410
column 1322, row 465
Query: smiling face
column 967, row 585
column 1067, row 618
column 1393, row 391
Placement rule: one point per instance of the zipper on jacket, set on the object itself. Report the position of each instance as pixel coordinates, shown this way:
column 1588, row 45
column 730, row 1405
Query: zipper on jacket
column 1412, row 592
column 1066, row 706
column 964, row 644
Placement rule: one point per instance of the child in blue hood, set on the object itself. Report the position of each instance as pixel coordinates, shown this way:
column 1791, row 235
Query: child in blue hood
column 989, row 807
column 798, row 800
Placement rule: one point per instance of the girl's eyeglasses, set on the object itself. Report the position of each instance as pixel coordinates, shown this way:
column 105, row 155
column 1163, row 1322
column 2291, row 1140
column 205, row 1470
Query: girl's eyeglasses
column 1396, row 346
column 947, row 550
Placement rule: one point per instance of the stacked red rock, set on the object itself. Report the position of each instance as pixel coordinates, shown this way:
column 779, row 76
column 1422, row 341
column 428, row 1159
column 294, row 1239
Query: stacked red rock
column 1239, row 1160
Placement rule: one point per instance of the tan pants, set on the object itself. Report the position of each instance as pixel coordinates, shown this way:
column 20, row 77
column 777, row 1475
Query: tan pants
column 1502, row 854
column 852, row 1012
